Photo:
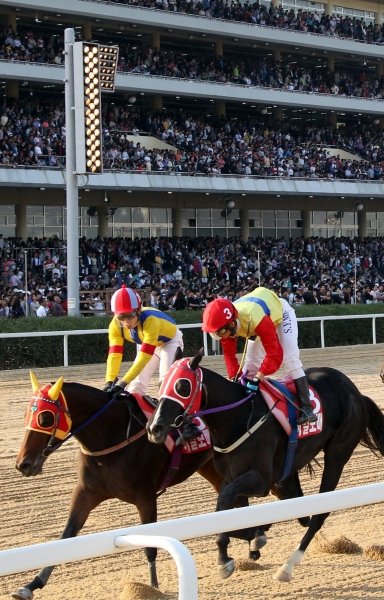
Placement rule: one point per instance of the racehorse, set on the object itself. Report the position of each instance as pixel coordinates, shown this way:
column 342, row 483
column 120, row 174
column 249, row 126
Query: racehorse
column 251, row 445
column 116, row 460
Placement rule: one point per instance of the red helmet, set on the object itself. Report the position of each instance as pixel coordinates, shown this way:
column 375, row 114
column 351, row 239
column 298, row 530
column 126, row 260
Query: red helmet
column 125, row 300
column 218, row 314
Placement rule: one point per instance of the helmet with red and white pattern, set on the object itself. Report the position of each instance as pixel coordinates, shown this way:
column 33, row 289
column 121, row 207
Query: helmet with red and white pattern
column 218, row 314
column 125, row 301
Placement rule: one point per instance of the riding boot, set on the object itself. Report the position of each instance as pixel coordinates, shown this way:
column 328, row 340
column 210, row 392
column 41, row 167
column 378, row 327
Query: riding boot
column 190, row 431
column 307, row 414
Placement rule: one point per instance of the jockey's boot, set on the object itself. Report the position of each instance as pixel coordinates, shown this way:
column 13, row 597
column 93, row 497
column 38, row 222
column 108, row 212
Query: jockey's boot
column 306, row 414
column 190, row 431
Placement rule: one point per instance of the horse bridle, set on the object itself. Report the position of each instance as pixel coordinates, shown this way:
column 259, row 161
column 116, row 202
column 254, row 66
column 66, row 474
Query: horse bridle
column 180, row 420
column 54, row 443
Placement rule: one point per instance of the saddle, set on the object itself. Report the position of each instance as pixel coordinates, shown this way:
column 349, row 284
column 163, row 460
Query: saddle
column 279, row 395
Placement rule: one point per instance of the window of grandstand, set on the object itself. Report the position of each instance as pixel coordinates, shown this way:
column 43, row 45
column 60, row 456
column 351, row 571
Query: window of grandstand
column 303, row 4
column 354, row 12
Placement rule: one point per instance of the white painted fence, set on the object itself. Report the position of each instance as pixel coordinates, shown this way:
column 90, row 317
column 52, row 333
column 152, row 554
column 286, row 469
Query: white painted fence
column 215, row 346
column 17, row 560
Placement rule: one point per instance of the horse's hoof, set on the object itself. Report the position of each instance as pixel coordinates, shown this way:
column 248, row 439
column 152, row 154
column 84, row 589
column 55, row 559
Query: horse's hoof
column 254, row 554
column 226, row 570
column 23, row 594
column 283, row 576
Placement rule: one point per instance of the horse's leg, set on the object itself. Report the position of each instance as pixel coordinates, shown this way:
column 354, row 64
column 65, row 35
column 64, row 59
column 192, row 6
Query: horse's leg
column 208, row 471
column 83, row 501
column 147, row 509
column 291, row 488
column 333, row 467
column 246, row 485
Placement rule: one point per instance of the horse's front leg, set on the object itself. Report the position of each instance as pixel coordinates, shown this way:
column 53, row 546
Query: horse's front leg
column 246, row 485
column 147, row 508
column 259, row 538
column 83, row 501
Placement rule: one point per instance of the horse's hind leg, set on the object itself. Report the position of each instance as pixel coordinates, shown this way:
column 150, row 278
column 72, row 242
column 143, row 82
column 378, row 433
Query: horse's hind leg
column 333, row 468
column 81, row 505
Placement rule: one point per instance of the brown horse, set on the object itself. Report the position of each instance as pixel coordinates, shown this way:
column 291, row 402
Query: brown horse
column 116, row 460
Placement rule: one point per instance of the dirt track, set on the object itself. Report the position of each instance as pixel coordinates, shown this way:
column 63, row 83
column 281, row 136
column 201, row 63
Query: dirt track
column 35, row 510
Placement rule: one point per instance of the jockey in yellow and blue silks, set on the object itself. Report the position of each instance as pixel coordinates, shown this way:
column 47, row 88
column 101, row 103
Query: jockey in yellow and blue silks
column 269, row 325
column 156, row 334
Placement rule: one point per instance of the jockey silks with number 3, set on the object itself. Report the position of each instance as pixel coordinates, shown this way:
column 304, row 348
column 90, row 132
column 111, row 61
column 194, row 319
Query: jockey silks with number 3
column 155, row 332
column 269, row 325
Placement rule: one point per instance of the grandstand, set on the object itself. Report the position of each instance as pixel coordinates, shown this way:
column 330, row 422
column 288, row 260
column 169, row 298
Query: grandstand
column 240, row 76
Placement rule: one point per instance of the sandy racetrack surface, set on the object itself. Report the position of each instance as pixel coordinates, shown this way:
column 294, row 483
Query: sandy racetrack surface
column 35, row 510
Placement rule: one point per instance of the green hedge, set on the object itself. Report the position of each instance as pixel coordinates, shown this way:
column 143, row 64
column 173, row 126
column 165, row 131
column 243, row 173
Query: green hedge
column 89, row 349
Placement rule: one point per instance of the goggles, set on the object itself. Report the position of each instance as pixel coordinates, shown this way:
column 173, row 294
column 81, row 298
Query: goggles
column 217, row 335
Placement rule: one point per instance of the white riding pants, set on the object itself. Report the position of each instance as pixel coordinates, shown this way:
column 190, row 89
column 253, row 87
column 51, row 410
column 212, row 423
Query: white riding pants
column 287, row 333
column 161, row 360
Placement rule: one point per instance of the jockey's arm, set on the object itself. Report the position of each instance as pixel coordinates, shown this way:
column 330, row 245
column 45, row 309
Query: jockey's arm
column 266, row 330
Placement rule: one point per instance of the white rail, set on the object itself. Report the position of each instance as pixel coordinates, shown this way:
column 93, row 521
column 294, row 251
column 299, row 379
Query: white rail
column 65, row 334
column 17, row 560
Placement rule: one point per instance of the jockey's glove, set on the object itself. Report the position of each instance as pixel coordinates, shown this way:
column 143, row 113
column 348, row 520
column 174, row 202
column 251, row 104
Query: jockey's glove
column 251, row 385
column 108, row 386
column 118, row 389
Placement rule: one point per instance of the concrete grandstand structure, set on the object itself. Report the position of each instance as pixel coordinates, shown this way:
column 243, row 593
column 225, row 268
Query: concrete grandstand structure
column 155, row 203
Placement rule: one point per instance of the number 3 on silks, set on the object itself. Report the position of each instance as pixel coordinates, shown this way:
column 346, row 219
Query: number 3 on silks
column 227, row 313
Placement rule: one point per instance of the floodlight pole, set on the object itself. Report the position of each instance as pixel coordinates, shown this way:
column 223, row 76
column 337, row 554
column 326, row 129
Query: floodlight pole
column 72, row 199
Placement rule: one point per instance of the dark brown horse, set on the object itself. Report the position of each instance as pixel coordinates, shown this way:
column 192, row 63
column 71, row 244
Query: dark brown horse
column 251, row 446
column 116, row 460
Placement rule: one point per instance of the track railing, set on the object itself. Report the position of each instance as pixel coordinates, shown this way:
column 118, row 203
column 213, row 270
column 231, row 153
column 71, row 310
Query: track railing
column 164, row 534
column 214, row 345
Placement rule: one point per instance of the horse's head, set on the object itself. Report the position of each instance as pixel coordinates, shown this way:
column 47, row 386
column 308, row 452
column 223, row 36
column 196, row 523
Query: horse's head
column 47, row 420
column 180, row 396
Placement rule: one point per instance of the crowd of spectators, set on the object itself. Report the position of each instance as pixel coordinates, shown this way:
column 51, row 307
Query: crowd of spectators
column 270, row 16
column 291, row 75
column 186, row 273
column 33, row 134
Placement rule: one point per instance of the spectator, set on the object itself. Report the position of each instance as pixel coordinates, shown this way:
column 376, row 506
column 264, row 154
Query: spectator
column 43, row 309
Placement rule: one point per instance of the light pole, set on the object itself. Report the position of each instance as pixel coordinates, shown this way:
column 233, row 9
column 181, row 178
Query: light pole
column 355, row 271
column 258, row 266
column 26, row 282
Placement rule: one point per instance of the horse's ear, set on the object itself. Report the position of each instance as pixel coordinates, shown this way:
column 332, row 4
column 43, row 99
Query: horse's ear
column 34, row 382
column 178, row 354
column 54, row 391
column 195, row 361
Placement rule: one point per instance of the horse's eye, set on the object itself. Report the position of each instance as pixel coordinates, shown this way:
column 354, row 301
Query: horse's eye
column 183, row 388
column 46, row 419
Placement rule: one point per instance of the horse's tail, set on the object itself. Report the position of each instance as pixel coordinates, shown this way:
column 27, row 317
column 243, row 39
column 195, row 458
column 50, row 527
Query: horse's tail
column 374, row 434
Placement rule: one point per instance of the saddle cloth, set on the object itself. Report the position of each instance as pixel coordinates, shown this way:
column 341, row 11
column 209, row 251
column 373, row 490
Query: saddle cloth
column 197, row 444
column 278, row 404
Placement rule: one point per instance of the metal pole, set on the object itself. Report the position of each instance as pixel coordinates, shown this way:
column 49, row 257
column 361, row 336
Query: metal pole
column 258, row 265
column 26, row 282
column 355, row 270
column 71, row 180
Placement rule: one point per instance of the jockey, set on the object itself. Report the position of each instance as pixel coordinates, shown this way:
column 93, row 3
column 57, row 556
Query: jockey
column 270, row 327
column 156, row 333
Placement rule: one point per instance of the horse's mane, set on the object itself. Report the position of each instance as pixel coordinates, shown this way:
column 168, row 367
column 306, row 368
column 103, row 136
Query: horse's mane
column 86, row 389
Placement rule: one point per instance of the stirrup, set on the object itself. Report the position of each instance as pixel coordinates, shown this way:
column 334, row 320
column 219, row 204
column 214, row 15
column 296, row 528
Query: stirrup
column 306, row 417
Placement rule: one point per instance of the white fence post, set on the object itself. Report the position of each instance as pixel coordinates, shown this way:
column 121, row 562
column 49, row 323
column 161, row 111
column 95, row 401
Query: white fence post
column 185, row 564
